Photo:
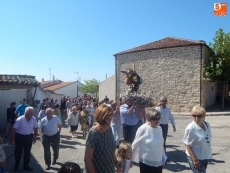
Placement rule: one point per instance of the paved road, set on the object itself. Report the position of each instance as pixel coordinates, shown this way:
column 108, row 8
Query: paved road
column 73, row 150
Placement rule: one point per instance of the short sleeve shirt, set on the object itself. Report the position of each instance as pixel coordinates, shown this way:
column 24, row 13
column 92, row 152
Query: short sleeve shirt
column 25, row 127
column 73, row 118
column 50, row 127
column 199, row 140
column 104, row 148
column 21, row 109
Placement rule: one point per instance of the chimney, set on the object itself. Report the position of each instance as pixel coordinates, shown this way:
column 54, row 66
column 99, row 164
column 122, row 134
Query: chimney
column 53, row 78
column 42, row 79
column 57, row 80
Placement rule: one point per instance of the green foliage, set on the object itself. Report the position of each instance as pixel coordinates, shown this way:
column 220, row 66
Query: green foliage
column 218, row 67
column 91, row 86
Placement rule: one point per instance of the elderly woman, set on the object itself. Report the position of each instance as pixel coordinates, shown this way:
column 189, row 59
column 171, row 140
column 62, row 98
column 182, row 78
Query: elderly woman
column 149, row 141
column 197, row 139
column 100, row 146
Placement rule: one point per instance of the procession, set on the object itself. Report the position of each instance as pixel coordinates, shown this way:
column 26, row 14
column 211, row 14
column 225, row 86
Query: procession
column 142, row 124
column 114, row 86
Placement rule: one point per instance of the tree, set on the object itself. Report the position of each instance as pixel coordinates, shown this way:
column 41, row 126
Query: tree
column 91, row 86
column 218, row 67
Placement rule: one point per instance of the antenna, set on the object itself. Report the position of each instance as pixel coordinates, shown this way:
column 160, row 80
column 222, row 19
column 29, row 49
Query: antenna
column 78, row 78
column 50, row 73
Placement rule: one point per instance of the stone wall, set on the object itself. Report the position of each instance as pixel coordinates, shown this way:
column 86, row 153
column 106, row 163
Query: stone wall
column 107, row 87
column 171, row 72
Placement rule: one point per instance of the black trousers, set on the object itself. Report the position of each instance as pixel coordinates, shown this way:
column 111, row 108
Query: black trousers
column 165, row 133
column 129, row 132
column 52, row 141
column 22, row 142
column 149, row 169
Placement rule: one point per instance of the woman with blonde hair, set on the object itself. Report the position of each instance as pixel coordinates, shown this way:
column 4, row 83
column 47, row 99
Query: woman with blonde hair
column 197, row 140
column 123, row 155
column 100, row 146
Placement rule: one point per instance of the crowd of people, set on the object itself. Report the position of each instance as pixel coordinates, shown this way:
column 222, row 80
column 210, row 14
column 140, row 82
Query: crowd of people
column 144, row 131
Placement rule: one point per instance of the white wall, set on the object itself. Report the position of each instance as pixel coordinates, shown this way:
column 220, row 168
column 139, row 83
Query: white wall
column 7, row 96
column 107, row 87
column 69, row 90
column 42, row 94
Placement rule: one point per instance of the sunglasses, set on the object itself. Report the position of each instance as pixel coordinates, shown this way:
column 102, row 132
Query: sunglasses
column 197, row 116
column 156, row 119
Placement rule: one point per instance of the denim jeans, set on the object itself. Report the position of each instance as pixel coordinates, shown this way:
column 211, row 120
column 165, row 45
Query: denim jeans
column 116, row 129
column 203, row 165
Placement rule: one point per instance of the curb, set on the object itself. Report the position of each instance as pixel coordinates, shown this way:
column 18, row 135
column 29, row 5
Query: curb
column 207, row 114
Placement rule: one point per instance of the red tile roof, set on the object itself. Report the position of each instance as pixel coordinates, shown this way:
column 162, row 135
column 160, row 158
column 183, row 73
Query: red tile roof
column 23, row 80
column 167, row 42
column 49, row 83
column 57, row 86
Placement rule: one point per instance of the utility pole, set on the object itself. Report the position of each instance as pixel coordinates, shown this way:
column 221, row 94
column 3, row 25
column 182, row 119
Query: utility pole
column 50, row 73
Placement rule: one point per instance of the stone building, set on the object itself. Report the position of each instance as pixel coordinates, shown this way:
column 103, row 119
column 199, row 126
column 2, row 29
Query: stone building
column 171, row 67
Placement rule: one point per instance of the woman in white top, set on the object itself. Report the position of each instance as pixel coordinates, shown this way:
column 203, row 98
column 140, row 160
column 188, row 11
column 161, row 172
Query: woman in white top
column 197, row 139
column 149, row 141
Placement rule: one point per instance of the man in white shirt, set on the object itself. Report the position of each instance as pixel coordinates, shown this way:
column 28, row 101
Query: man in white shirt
column 50, row 126
column 22, row 132
column 166, row 116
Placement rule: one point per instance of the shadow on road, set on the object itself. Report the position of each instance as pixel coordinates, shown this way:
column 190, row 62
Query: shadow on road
column 176, row 157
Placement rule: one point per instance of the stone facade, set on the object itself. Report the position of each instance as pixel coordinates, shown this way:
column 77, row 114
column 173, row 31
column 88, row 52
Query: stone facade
column 172, row 72
column 107, row 87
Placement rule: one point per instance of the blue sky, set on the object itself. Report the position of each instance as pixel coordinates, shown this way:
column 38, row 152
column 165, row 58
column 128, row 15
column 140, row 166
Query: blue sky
column 83, row 35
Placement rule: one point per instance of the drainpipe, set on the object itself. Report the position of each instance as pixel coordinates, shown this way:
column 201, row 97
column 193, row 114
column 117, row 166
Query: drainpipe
column 34, row 93
column 116, row 78
column 200, row 71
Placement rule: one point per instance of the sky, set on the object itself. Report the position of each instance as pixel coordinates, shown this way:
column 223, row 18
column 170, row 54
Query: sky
column 77, row 39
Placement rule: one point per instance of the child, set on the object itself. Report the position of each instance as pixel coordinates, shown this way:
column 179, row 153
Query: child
column 123, row 155
column 2, row 155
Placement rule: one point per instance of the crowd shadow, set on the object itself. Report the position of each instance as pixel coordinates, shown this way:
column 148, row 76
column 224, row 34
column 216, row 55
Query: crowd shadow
column 9, row 162
column 176, row 158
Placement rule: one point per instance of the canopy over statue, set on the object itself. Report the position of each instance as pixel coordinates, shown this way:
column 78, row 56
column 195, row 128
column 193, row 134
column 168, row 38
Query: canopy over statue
column 133, row 80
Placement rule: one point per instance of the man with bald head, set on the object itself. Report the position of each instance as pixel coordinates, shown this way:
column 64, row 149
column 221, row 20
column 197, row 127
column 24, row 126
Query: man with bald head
column 22, row 132
column 50, row 127
column 166, row 116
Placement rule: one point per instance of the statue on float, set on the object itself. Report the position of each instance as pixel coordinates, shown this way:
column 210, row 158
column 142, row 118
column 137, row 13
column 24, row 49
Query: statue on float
column 133, row 80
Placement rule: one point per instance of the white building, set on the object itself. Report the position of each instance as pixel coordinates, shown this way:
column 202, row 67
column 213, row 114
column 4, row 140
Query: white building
column 71, row 89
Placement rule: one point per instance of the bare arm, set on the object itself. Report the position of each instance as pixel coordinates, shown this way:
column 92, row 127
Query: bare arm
column 88, row 160
column 16, row 113
column 35, row 135
column 59, row 127
column 131, row 109
column 12, row 136
column 193, row 156
column 116, row 164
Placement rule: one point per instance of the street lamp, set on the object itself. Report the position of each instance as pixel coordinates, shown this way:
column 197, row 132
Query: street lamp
column 77, row 88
